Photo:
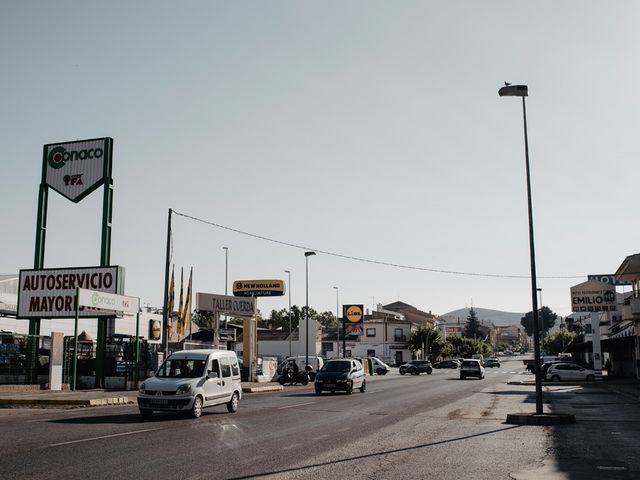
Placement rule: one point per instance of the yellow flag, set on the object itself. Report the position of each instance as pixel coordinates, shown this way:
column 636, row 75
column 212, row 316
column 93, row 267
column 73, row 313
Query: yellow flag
column 180, row 324
column 170, row 304
column 187, row 306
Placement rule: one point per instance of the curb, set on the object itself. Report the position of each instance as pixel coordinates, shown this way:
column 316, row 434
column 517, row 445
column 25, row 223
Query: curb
column 540, row 419
column 266, row 388
column 70, row 402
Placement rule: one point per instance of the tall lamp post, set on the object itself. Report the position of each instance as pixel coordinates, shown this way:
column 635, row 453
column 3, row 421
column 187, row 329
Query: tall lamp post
column 306, row 312
column 289, row 288
column 226, row 282
column 338, row 320
column 523, row 91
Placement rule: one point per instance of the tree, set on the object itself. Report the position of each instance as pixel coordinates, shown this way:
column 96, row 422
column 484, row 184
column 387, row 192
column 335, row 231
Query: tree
column 548, row 320
column 473, row 325
column 463, row 347
column 202, row 318
column 327, row 319
column 559, row 341
column 429, row 340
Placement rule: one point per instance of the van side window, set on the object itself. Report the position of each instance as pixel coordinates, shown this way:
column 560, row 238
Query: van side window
column 215, row 367
column 225, row 366
column 235, row 367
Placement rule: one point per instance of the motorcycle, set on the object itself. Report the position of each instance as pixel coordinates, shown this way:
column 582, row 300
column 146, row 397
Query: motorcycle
column 291, row 377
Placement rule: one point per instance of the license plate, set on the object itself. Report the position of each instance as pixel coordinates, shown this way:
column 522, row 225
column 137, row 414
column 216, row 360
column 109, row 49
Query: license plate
column 329, row 385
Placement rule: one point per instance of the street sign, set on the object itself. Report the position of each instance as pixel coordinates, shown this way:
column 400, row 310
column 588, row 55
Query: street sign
column 593, row 296
column 258, row 288
column 237, row 307
column 610, row 279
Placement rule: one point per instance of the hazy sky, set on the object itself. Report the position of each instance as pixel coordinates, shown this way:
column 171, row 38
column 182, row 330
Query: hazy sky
column 364, row 128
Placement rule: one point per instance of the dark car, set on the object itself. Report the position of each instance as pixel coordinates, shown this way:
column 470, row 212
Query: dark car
column 416, row 367
column 492, row 362
column 340, row 374
column 446, row 364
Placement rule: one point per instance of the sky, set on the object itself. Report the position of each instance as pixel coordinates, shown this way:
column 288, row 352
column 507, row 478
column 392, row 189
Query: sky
column 367, row 129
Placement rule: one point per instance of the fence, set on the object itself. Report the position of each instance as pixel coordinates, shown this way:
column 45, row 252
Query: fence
column 24, row 359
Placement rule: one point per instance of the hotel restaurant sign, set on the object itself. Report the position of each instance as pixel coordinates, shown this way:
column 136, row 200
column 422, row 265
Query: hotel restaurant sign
column 51, row 292
column 593, row 296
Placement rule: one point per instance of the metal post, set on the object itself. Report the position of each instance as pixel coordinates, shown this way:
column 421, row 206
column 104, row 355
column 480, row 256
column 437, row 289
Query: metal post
column 289, row 288
column 534, row 299
column 137, row 373
column 226, row 280
column 165, row 314
column 338, row 320
column 306, row 313
column 75, row 343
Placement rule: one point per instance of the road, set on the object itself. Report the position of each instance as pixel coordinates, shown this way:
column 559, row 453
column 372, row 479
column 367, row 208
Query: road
column 427, row 426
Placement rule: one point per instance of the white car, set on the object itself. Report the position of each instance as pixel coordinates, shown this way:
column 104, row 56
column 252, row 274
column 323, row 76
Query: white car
column 471, row 367
column 569, row 372
column 191, row 380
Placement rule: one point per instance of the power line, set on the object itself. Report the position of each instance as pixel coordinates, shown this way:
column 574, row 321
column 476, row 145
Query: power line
column 364, row 260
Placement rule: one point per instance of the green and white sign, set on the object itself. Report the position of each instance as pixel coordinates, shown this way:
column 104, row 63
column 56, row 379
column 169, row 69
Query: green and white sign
column 75, row 169
column 108, row 301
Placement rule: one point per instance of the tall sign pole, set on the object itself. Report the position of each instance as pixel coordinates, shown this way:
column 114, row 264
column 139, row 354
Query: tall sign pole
column 165, row 314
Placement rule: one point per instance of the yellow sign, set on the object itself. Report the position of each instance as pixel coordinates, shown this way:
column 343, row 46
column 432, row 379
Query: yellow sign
column 354, row 313
column 258, row 288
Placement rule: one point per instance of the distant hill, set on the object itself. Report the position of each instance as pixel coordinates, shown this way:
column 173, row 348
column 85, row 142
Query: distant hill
column 497, row 317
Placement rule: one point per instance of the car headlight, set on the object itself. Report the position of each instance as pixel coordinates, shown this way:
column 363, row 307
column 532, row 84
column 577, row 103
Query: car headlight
column 182, row 389
column 141, row 388
column 342, row 380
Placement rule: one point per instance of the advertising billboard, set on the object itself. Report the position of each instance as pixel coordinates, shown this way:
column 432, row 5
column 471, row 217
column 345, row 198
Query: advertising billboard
column 258, row 288
column 593, row 296
column 75, row 169
column 238, row 307
column 51, row 292
column 353, row 319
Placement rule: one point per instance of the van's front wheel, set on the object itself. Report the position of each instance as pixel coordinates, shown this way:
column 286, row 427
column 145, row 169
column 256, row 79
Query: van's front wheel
column 196, row 410
column 232, row 405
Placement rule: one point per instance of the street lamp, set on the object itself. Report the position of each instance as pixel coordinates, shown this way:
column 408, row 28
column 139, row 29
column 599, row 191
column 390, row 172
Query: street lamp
column 522, row 91
column 226, row 282
column 338, row 320
column 289, row 288
column 306, row 312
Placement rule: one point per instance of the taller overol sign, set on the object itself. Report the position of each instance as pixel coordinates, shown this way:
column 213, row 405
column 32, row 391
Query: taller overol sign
column 238, row 307
column 75, row 169
column 593, row 296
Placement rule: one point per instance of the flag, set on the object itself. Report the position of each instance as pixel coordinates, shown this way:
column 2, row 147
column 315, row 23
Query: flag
column 170, row 302
column 187, row 306
column 180, row 324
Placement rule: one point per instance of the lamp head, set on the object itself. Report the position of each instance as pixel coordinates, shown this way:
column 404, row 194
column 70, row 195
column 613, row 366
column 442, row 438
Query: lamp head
column 514, row 91
column 309, row 254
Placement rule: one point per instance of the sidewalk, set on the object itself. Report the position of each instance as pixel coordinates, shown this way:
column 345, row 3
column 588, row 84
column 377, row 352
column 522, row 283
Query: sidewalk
column 28, row 397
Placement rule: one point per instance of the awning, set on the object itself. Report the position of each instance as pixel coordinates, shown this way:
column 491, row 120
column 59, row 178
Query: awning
column 629, row 271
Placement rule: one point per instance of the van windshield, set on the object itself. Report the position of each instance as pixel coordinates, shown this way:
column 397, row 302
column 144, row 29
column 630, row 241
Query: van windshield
column 181, row 368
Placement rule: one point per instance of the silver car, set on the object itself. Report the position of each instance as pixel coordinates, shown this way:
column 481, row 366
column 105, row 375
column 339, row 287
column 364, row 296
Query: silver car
column 570, row 372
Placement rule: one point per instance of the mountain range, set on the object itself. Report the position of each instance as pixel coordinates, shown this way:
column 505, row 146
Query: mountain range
column 497, row 317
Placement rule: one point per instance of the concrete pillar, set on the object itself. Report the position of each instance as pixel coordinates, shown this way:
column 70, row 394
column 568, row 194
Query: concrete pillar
column 55, row 361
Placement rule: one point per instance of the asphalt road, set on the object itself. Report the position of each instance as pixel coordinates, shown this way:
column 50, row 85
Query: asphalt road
column 427, row 426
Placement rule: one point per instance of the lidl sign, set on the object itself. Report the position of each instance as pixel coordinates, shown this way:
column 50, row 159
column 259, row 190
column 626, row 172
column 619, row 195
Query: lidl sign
column 75, row 169
column 353, row 319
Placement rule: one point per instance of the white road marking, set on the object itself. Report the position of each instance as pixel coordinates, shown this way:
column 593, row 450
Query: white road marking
column 103, row 437
column 296, row 405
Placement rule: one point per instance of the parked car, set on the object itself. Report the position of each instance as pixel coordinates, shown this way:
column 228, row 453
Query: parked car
column 447, row 364
column 340, row 374
column 379, row 367
column 568, row 372
column 191, row 380
column 492, row 362
column 416, row 367
column 471, row 368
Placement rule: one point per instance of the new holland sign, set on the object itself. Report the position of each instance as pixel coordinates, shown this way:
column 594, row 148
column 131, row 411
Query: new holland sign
column 258, row 288
column 51, row 292
column 593, row 296
column 75, row 169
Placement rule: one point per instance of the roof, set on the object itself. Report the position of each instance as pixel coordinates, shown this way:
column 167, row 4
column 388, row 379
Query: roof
column 629, row 270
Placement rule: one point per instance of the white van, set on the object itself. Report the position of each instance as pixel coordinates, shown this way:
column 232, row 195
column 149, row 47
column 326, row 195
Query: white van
column 190, row 380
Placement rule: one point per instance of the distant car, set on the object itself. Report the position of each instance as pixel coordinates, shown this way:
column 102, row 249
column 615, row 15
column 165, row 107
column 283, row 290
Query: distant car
column 343, row 374
column 471, row 368
column 567, row 372
column 379, row 367
column 447, row 364
column 416, row 367
column 492, row 362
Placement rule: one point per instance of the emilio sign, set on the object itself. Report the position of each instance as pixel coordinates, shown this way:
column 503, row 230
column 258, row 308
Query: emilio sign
column 51, row 293
column 75, row 169
column 593, row 296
